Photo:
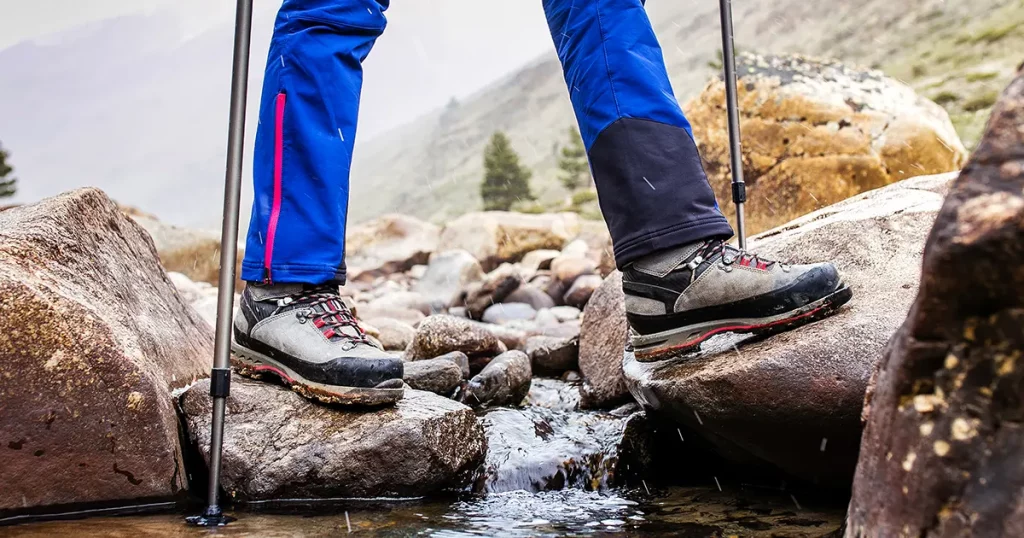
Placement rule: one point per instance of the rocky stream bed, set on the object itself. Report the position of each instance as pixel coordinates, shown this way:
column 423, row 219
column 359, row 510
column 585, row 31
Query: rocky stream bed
column 525, row 414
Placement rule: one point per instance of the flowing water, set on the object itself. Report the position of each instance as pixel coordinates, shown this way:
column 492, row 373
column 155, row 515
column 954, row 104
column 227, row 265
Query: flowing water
column 678, row 512
column 548, row 472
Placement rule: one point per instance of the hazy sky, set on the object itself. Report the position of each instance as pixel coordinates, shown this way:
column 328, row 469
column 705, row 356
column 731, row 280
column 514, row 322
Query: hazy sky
column 433, row 50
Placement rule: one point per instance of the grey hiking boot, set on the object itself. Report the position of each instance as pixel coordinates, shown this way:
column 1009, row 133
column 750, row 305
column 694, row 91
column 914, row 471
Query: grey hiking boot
column 309, row 339
column 676, row 299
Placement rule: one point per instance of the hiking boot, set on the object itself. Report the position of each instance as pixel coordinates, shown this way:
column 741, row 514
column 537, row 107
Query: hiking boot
column 676, row 299
column 309, row 339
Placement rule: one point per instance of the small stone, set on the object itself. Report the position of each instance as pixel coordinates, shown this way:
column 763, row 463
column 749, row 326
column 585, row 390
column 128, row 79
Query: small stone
column 503, row 313
column 394, row 335
column 440, row 375
column 538, row 259
column 448, row 273
column 460, row 359
column 438, row 335
column 566, row 313
column 545, row 318
column 504, row 381
column 568, row 268
column 402, row 299
column 532, row 296
column 581, row 290
column 553, row 355
column 496, row 286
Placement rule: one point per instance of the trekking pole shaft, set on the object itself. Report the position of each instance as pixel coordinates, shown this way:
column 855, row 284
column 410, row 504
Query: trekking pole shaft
column 739, row 193
column 229, row 237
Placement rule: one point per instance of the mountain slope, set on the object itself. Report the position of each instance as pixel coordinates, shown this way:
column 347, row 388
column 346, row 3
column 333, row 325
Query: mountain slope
column 431, row 168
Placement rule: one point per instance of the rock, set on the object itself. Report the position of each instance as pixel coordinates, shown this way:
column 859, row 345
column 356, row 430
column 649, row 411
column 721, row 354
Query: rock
column 602, row 340
column 599, row 245
column 193, row 253
column 440, row 375
column 503, row 313
column 388, row 244
column 459, row 359
column 438, row 335
column 568, row 268
column 394, row 335
column 510, row 336
column 539, row 449
column 190, row 291
column 566, row 313
column 538, row 259
column 405, row 315
column 530, row 295
column 496, row 286
column 545, row 319
column 402, row 299
column 576, row 248
column 944, row 440
column 448, row 273
column 417, row 271
column 581, row 290
column 553, row 394
column 494, row 237
column 553, row 355
column 93, row 339
column 553, row 287
column 504, row 381
column 793, row 401
column 816, row 133
column 279, row 445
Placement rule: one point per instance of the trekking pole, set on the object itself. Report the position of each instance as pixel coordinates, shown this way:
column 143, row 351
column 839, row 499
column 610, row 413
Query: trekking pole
column 739, row 188
column 220, row 376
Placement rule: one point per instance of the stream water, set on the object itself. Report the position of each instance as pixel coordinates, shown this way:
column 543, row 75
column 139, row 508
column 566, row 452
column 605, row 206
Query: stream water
column 551, row 470
column 677, row 512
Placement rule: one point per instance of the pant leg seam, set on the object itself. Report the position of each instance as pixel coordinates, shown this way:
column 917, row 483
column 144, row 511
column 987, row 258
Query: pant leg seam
column 607, row 63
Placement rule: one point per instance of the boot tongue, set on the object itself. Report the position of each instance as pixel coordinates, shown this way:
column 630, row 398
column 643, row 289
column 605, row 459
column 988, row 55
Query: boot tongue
column 270, row 292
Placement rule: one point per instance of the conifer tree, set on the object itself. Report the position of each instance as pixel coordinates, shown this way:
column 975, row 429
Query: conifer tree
column 7, row 187
column 506, row 182
column 573, row 163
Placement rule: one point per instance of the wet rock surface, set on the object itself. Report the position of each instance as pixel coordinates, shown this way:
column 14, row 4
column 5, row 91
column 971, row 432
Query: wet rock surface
column 532, row 296
column 438, row 335
column 93, row 339
column 504, row 381
column 602, row 340
column 794, row 400
column 553, row 355
column 279, row 445
column 944, row 442
column 804, row 120
column 538, row 449
column 581, row 290
column 440, row 375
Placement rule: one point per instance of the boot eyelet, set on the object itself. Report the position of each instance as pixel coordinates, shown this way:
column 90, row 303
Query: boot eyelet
column 301, row 316
column 726, row 268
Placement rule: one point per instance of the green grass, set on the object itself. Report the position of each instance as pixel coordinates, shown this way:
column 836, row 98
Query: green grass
column 945, row 97
column 981, row 102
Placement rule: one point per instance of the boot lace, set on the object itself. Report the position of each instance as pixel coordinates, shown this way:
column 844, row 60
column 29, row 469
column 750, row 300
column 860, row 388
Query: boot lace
column 322, row 306
column 732, row 255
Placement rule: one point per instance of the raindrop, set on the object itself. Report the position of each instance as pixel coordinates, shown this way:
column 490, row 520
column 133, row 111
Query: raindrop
column 348, row 523
column 699, row 421
column 717, row 483
column 824, row 441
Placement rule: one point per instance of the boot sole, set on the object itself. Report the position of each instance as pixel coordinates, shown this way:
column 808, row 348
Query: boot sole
column 667, row 344
column 255, row 365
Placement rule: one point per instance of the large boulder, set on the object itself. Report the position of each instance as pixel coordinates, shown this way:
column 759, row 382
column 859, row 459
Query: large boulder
column 194, row 253
column 793, row 401
column 943, row 448
column 388, row 244
column 93, row 339
column 279, row 445
column 602, row 340
column 494, row 237
column 818, row 132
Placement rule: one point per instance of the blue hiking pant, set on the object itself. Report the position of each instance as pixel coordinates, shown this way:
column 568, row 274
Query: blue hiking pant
column 651, row 185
